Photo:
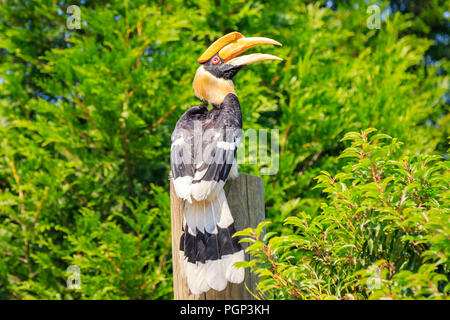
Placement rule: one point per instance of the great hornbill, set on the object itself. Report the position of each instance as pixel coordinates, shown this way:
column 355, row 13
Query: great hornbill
column 203, row 156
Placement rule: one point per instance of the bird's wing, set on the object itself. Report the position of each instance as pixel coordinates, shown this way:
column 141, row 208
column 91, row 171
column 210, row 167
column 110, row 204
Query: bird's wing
column 211, row 171
column 182, row 152
column 202, row 155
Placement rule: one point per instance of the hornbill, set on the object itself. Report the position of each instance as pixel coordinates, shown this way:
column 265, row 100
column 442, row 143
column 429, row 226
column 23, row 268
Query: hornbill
column 203, row 156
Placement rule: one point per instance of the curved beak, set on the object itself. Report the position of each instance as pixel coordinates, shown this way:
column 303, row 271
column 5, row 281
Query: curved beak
column 230, row 52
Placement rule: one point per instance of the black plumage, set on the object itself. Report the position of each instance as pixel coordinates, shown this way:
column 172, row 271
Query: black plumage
column 223, row 124
column 209, row 246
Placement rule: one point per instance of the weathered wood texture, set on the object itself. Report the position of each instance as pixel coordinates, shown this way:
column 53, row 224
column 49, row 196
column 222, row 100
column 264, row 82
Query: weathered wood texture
column 245, row 197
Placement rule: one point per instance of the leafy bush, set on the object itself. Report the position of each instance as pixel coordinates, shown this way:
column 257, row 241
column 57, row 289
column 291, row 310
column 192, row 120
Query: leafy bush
column 384, row 231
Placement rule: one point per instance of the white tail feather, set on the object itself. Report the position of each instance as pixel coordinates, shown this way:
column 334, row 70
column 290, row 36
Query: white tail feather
column 215, row 274
column 206, row 215
column 233, row 274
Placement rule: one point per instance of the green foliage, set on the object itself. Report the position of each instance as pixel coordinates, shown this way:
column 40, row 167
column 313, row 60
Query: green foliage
column 383, row 231
column 86, row 117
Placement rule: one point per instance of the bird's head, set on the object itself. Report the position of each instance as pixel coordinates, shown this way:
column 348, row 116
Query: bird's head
column 220, row 63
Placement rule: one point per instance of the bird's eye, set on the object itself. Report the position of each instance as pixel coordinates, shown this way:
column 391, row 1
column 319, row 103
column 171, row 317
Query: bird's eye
column 215, row 60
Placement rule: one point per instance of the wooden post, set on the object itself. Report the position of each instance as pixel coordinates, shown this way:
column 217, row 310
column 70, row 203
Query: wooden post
column 245, row 197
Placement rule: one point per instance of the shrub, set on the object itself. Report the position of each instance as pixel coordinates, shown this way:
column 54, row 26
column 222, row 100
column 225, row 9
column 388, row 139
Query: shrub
column 382, row 233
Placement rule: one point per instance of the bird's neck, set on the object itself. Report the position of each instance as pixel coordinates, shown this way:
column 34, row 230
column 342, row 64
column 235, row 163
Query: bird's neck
column 210, row 88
